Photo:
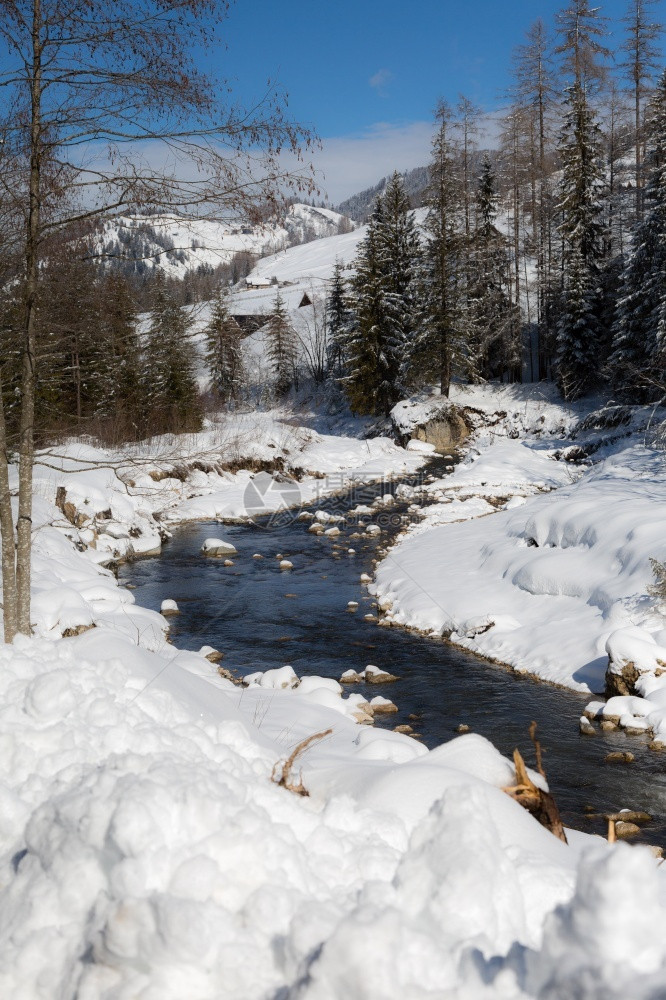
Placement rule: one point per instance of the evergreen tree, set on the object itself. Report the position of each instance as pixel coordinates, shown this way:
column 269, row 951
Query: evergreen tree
column 400, row 261
column 439, row 349
column 224, row 354
column 637, row 365
column 114, row 378
column 582, row 230
column 495, row 320
column 370, row 367
column 384, row 288
column 339, row 320
column 281, row 348
column 172, row 396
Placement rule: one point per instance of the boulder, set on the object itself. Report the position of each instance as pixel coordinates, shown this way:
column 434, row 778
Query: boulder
column 218, row 547
column 374, row 675
column 620, row 757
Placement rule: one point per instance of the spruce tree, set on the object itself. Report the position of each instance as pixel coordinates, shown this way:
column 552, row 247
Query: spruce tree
column 495, row 321
column 637, row 365
column 369, row 361
column 114, row 378
column 439, row 349
column 172, row 395
column 339, row 320
column 384, row 296
column 400, row 262
column 224, row 354
column 281, row 349
column 582, row 230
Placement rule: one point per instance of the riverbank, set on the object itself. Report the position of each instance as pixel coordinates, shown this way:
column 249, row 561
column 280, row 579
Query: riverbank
column 146, row 849
column 537, row 548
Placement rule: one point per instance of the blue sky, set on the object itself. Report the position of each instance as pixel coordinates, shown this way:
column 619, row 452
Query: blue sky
column 367, row 74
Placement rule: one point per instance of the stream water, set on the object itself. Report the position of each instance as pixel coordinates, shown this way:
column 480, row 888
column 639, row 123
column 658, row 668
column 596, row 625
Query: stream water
column 261, row 617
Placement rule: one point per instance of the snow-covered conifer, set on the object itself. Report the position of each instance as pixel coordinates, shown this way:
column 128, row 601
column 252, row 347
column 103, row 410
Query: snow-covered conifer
column 224, row 354
column 439, row 348
column 171, row 391
column 582, row 230
column 339, row 319
column 637, row 365
column 281, row 349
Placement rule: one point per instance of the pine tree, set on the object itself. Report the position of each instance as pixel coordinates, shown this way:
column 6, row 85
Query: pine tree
column 339, row 319
column 172, row 395
column 637, row 365
column 582, row 230
column 224, row 354
column 281, row 348
column 369, row 360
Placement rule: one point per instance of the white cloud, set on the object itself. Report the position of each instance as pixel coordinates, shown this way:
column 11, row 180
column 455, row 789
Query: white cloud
column 348, row 164
column 380, row 81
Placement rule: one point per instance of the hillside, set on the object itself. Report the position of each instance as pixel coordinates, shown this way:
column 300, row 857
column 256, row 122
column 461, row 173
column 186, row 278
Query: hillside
column 139, row 244
column 359, row 206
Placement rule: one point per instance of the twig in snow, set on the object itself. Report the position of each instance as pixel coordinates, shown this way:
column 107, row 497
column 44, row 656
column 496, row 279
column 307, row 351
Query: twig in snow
column 285, row 778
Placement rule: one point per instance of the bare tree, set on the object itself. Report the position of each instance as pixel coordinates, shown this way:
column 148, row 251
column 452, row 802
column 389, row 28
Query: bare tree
column 95, row 94
column 468, row 116
column 313, row 337
column 581, row 28
column 535, row 92
column 642, row 59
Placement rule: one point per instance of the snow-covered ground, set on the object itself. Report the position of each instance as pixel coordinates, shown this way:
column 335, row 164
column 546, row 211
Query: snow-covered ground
column 543, row 581
column 147, row 850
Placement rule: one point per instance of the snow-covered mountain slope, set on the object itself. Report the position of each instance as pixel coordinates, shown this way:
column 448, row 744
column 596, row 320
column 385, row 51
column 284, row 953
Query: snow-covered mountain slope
column 176, row 245
column 315, row 261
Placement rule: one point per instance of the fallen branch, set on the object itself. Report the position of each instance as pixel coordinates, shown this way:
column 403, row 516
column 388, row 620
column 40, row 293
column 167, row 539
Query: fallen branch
column 540, row 804
column 285, row 778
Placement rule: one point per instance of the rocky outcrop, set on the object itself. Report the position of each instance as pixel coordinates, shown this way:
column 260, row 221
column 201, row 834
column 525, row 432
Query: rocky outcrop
column 437, row 422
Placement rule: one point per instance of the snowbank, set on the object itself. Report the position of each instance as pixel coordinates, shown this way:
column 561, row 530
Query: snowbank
column 145, row 850
column 541, row 584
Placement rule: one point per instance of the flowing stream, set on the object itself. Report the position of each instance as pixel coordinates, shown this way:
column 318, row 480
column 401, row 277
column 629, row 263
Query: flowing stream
column 261, row 617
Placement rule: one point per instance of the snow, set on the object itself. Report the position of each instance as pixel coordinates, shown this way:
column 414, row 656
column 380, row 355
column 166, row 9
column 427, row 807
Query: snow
column 564, row 564
column 146, row 849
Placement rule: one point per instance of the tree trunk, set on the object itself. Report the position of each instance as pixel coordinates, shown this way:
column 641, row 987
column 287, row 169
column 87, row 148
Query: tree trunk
column 27, row 426
column 9, row 605
column 639, row 167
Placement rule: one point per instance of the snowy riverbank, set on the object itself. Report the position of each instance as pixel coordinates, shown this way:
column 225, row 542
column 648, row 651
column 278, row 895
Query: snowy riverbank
column 532, row 560
column 146, row 852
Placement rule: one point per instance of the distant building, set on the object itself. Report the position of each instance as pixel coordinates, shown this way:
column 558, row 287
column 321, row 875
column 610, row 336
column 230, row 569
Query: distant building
column 254, row 282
